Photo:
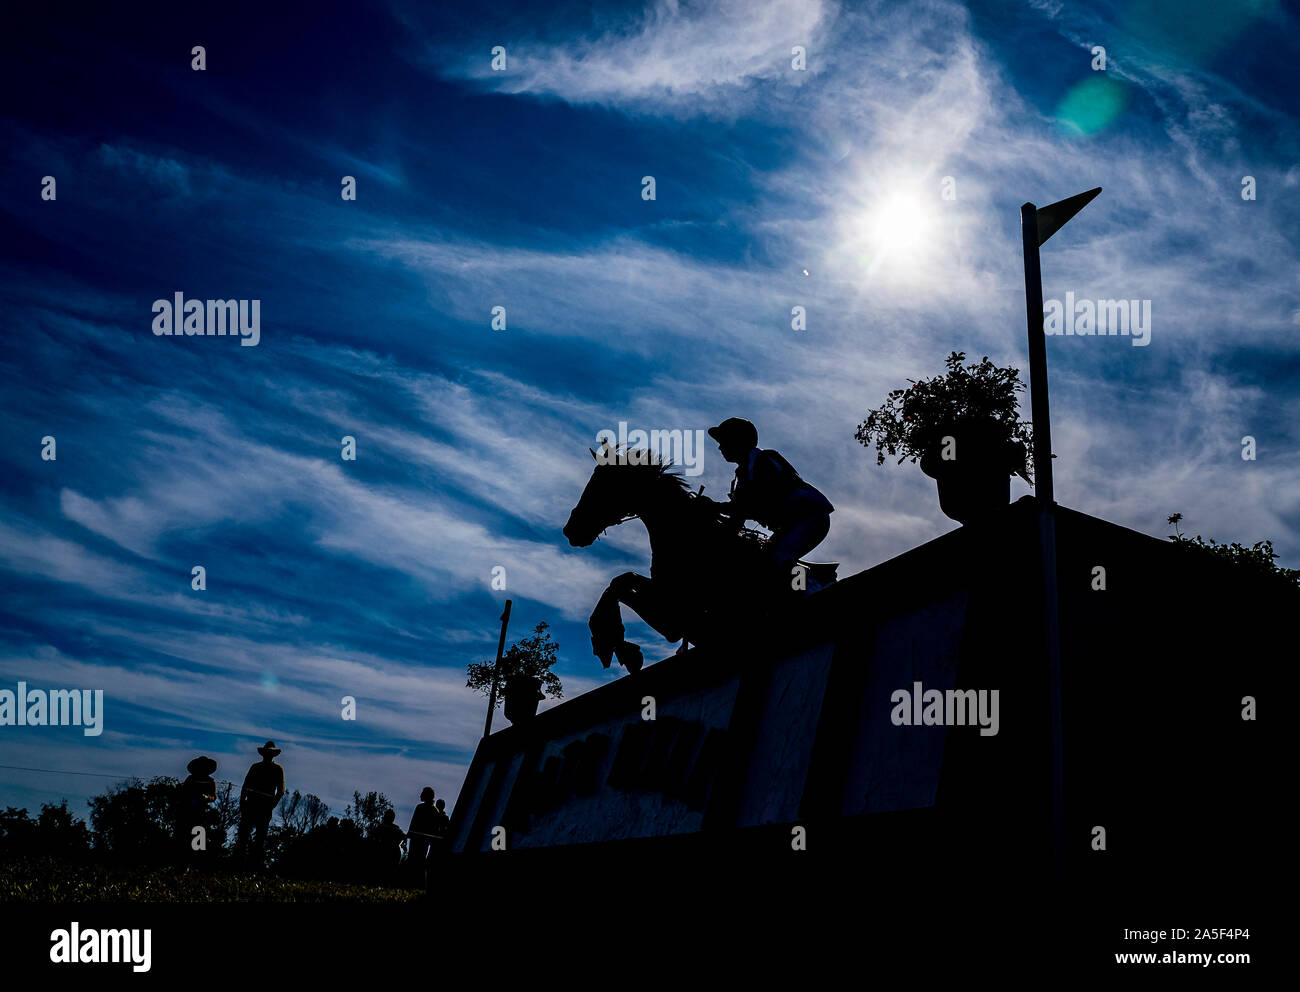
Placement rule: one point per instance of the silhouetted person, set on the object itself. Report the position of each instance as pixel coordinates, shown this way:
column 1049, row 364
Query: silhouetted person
column 421, row 835
column 441, row 828
column 198, row 792
column 263, row 787
column 769, row 490
column 387, row 842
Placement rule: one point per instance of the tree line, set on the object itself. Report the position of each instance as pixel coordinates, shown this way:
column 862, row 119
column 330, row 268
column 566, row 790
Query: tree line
column 137, row 822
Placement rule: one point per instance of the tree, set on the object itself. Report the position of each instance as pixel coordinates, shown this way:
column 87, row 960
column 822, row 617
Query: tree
column 532, row 656
column 60, row 834
column 302, row 813
column 225, row 814
column 1259, row 558
column 136, row 821
column 367, row 811
column 17, row 832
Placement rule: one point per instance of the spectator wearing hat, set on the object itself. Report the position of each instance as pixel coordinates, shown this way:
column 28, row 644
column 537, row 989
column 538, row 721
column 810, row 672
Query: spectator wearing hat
column 198, row 792
column 263, row 788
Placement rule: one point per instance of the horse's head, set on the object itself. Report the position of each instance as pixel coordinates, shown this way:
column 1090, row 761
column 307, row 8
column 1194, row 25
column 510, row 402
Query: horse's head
column 620, row 488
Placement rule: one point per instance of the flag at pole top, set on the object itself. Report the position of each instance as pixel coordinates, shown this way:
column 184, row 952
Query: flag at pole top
column 1055, row 216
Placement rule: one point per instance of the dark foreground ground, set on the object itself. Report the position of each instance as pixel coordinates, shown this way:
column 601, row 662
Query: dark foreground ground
column 690, row 919
column 46, row 881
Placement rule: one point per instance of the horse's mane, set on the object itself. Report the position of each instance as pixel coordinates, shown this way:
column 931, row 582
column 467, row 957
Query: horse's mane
column 648, row 464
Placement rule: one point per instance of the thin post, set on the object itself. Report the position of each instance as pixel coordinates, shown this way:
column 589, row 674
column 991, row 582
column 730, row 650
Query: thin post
column 496, row 672
column 1037, row 356
column 1052, row 648
column 1046, row 520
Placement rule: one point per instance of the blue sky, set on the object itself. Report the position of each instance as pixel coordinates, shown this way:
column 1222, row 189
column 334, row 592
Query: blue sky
column 522, row 189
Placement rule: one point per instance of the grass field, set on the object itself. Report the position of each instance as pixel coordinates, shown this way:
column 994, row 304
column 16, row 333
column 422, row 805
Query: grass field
column 48, row 881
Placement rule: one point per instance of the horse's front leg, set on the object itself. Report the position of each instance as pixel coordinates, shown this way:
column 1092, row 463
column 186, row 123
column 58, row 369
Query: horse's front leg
column 606, row 621
column 607, row 631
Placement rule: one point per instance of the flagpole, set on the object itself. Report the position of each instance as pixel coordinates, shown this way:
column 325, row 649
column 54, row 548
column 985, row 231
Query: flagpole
column 496, row 672
column 1037, row 356
column 1030, row 239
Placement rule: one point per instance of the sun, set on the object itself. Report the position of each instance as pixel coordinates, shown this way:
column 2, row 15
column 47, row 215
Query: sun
column 893, row 234
column 899, row 226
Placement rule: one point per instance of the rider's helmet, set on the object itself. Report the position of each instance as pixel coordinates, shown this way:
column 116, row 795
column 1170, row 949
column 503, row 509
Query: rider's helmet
column 735, row 433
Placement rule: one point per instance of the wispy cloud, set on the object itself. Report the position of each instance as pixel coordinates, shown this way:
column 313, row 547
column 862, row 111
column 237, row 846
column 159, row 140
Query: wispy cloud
column 671, row 54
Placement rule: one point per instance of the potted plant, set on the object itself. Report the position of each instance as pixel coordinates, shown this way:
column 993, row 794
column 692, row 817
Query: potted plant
column 964, row 428
column 522, row 694
column 525, row 677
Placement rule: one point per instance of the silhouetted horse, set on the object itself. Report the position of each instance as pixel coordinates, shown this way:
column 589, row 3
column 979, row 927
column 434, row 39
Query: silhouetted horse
column 706, row 574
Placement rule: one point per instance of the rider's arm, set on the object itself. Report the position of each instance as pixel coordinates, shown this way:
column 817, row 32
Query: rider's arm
column 740, row 505
column 767, row 473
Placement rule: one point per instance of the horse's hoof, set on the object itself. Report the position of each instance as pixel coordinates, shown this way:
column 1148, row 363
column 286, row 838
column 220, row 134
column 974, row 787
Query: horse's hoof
column 629, row 656
column 605, row 656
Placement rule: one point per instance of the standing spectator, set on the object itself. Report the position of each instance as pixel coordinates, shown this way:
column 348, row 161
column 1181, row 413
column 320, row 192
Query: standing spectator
column 263, row 787
column 441, row 827
column 444, row 821
column 198, row 792
column 387, row 840
column 422, row 833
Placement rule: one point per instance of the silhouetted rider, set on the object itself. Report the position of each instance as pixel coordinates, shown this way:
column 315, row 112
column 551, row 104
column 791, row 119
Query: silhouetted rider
column 769, row 490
